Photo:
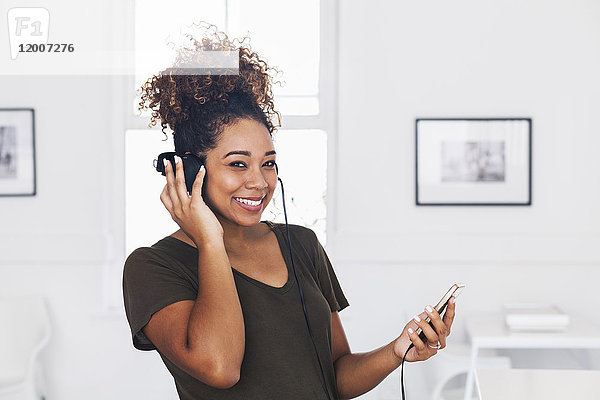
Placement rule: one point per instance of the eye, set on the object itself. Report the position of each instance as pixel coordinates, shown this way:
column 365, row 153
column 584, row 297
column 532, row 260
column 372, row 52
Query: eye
column 240, row 164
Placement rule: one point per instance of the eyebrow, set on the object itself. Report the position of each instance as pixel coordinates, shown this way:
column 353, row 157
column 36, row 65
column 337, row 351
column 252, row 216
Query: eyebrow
column 246, row 153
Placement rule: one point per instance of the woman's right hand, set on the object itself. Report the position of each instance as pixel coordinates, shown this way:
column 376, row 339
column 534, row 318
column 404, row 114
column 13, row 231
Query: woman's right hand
column 190, row 212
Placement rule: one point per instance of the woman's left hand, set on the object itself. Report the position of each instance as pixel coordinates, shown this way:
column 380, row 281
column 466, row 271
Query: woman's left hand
column 422, row 350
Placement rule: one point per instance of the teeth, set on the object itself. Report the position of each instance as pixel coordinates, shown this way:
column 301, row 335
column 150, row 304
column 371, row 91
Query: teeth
column 249, row 202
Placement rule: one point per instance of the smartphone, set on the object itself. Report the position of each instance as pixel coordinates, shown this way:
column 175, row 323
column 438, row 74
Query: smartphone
column 454, row 290
column 191, row 166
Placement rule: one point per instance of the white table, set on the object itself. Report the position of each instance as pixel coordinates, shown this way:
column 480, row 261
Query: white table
column 491, row 332
column 532, row 384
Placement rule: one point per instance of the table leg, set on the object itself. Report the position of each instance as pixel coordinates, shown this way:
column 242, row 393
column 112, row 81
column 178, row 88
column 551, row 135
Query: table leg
column 471, row 373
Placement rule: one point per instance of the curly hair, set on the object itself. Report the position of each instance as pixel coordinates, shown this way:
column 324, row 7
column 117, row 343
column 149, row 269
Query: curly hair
column 197, row 107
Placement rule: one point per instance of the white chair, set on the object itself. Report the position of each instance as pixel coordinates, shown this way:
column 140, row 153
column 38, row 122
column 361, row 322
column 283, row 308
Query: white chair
column 25, row 330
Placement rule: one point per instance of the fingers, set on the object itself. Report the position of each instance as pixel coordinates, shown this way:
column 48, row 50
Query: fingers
column 449, row 315
column 413, row 323
column 180, row 179
column 199, row 182
column 176, row 189
column 166, row 200
column 423, row 350
column 430, row 334
column 171, row 190
column 416, row 340
column 433, row 329
column 438, row 325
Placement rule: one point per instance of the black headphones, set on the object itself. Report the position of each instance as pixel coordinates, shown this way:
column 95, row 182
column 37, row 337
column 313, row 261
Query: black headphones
column 191, row 166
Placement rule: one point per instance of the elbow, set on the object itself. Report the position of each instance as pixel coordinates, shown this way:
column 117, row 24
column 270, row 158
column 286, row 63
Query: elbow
column 216, row 369
column 226, row 380
column 220, row 376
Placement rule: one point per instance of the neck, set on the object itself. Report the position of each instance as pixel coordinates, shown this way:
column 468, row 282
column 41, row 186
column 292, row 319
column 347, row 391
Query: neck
column 238, row 236
column 235, row 237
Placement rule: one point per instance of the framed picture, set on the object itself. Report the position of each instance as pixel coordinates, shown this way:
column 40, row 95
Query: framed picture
column 473, row 161
column 17, row 152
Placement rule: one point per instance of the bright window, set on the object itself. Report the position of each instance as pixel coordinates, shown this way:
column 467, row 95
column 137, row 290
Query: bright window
column 274, row 28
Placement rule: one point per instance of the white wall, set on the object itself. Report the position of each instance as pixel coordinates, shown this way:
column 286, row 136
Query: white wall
column 55, row 244
column 397, row 61
column 403, row 60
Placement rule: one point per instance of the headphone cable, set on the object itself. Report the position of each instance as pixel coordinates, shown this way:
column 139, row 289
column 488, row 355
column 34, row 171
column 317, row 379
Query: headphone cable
column 402, row 370
column 301, row 294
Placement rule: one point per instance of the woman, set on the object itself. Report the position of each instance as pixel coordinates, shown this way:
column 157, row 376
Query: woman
column 217, row 299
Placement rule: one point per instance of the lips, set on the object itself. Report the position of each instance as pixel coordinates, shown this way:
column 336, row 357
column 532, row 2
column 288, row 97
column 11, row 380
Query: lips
column 248, row 207
column 250, row 198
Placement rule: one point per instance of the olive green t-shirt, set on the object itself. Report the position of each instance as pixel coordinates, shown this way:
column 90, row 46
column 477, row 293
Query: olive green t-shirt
column 279, row 359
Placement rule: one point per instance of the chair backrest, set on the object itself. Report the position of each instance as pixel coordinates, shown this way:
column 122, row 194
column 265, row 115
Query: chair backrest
column 24, row 331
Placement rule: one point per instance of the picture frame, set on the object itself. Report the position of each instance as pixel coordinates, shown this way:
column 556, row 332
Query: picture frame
column 473, row 161
column 17, row 152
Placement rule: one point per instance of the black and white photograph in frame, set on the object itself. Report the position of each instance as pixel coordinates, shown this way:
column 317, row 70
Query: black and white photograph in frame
column 17, row 152
column 473, row 161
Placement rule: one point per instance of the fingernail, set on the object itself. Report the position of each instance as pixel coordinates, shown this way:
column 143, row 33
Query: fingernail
column 410, row 330
column 452, row 299
column 165, row 161
column 176, row 159
column 416, row 318
column 202, row 167
column 429, row 309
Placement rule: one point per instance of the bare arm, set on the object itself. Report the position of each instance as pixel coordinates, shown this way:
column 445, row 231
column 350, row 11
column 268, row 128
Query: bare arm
column 357, row 373
column 204, row 337
column 216, row 324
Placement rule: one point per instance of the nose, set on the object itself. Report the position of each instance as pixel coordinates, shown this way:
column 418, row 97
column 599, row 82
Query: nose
column 256, row 179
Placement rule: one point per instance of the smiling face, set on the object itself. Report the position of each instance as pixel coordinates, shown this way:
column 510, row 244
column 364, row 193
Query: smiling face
column 240, row 173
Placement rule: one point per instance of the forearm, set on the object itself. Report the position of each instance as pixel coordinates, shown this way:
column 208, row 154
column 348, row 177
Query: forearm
column 357, row 373
column 216, row 324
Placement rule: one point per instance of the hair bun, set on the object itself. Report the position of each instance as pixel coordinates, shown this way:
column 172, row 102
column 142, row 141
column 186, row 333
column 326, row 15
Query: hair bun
column 197, row 106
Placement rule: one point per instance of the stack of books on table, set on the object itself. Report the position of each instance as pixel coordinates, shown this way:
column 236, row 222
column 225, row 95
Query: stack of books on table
column 535, row 318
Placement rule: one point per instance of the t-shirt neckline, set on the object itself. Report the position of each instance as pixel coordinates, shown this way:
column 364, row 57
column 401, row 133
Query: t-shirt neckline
column 284, row 253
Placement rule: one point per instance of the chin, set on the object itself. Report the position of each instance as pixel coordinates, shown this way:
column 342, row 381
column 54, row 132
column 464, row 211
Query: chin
column 245, row 222
column 249, row 220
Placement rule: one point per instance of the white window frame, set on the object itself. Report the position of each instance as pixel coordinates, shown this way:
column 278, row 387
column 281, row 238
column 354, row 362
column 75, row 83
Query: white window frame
column 124, row 119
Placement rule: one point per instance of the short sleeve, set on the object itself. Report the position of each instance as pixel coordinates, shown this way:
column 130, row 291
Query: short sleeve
column 328, row 282
column 148, row 286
